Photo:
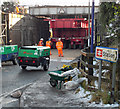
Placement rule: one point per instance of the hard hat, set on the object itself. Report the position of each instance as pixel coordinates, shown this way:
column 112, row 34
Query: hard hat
column 41, row 39
column 59, row 38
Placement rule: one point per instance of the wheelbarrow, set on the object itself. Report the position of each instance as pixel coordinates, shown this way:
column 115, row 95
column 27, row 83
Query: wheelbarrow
column 60, row 76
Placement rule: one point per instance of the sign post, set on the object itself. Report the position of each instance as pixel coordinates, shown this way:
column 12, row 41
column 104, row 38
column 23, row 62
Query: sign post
column 110, row 55
column 100, row 72
column 113, row 82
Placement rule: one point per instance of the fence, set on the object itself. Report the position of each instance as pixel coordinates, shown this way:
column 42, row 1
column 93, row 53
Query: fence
column 87, row 67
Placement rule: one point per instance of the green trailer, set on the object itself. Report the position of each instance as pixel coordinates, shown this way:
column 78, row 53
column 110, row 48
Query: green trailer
column 9, row 53
column 34, row 56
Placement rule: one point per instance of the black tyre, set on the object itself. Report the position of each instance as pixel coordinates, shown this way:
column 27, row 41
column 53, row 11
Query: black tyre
column 70, row 46
column 23, row 67
column 14, row 61
column 46, row 66
column 54, row 45
column 79, row 46
column 85, row 46
column 53, row 82
column 64, row 45
column 74, row 46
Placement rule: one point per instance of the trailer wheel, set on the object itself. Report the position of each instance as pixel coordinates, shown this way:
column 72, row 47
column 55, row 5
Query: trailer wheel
column 14, row 61
column 53, row 82
column 23, row 67
column 46, row 66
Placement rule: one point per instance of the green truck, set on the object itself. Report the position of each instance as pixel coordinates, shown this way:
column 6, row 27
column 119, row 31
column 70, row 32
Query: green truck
column 9, row 53
column 34, row 56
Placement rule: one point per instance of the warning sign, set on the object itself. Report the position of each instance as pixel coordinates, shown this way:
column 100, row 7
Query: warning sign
column 106, row 54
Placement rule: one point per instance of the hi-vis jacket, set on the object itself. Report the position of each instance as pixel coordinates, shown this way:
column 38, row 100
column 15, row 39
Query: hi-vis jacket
column 59, row 45
column 40, row 43
column 48, row 44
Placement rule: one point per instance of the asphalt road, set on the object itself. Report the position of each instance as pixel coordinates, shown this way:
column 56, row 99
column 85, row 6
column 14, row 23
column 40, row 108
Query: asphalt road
column 14, row 77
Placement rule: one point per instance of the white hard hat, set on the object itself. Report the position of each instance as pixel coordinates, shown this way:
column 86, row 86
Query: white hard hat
column 41, row 39
column 59, row 38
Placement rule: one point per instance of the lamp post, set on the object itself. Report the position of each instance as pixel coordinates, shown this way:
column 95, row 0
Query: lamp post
column 0, row 55
column 89, row 24
column 92, row 33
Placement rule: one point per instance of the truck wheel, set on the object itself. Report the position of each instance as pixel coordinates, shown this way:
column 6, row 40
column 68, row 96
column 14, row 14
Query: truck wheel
column 64, row 46
column 79, row 46
column 70, row 46
column 14, row 61
column 46, row 66
column 74, row 46
column 53, row 82
column 54, row 45
column 23, row 67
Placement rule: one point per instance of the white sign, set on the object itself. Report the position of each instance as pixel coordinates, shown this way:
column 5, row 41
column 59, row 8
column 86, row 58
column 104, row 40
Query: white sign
column 1, row 49
column 13, row 48
column 61, row 11
column 106, row 54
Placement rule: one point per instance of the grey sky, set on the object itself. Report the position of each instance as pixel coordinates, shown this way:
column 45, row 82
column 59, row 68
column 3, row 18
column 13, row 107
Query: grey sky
column 54, row 2
column 57, row 2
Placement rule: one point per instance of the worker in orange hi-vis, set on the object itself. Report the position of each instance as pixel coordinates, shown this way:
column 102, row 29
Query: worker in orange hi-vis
column 59, row 46
column 48, row 44
column 40, row 42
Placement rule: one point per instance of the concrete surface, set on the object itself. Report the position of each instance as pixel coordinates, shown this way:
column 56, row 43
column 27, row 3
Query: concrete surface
column 41, row 93
column 69, row 54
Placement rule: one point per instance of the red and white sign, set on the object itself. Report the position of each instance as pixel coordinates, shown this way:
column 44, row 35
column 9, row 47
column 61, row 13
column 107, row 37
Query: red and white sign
column 99, row 52
column 106, row 54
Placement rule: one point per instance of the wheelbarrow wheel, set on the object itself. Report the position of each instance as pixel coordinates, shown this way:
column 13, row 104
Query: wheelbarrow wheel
column 53, row 82
column 24, row 67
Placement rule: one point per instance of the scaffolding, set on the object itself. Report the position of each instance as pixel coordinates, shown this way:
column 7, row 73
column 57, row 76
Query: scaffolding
column 4, row 29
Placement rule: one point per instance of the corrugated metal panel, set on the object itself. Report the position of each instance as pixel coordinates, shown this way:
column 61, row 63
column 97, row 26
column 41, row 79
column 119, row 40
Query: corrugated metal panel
column 67, row 24
column 37, row 11
column 59, row 24
column 52, row 10
column 71, row 10
column 43, row 10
